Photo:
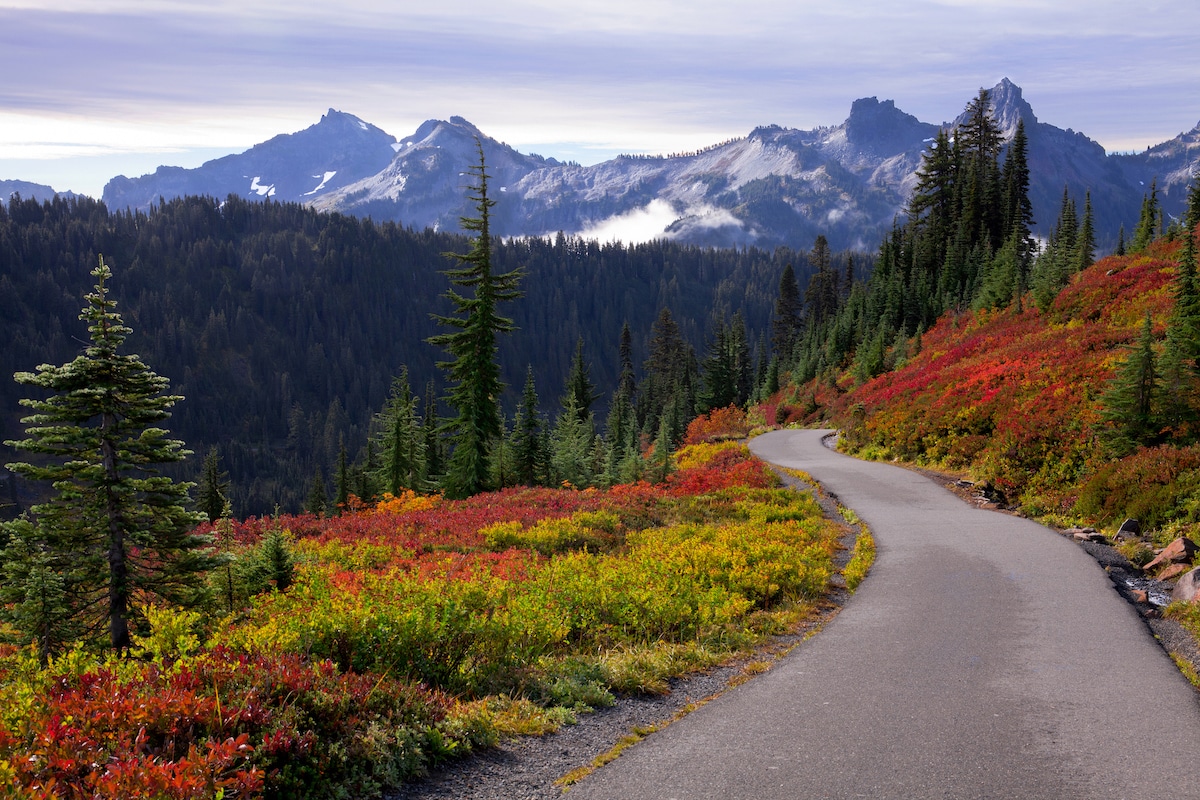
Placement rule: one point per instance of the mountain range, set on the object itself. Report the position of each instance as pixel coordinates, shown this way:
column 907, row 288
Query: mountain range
column 775, row 186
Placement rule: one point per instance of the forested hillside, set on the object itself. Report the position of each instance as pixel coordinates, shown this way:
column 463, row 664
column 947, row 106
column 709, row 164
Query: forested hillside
column 283, row 328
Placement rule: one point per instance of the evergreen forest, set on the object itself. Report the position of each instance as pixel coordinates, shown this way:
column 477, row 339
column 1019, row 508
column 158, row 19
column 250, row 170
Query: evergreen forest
column 285, row 328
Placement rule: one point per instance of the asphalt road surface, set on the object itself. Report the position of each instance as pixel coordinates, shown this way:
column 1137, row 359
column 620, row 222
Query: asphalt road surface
column 984, row 657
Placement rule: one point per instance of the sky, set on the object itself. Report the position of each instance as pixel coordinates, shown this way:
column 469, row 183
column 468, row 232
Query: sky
column 96, row 88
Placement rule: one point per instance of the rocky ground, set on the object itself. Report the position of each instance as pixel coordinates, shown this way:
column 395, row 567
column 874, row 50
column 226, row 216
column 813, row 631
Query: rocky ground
column 528, row 768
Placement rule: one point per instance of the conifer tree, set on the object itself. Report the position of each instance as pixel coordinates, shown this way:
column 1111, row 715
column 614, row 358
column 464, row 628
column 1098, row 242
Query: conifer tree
column 1148, row 220
column 785, row 324
column 213, row 489
column 400, row 440
column 626, row 384
column 1085, row 243
column 318, row 496
column 1129, row 404
column 432, row 441
column 116, row 532
column 661, row 464
column 342, row 500
column 528, row 457
column 474, row 373
column 571, row 446
column 579, row 383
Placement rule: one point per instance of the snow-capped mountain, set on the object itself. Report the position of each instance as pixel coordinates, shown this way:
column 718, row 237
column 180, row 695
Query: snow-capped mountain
column 297, row 167
column 775, row 186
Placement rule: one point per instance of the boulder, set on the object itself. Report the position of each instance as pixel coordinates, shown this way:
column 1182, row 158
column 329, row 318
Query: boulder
column 1172, row 571
column 1180, row 551
column 1186, row 587
column 1129, row 528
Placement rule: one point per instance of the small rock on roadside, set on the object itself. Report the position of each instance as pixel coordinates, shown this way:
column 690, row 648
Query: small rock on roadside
column 1086, row 535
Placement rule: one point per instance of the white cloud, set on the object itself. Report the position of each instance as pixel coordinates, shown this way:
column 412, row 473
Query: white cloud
column 599, row 76
column 642, row 225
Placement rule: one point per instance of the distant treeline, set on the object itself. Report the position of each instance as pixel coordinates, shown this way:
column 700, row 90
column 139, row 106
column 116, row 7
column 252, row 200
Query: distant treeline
column 283, row 327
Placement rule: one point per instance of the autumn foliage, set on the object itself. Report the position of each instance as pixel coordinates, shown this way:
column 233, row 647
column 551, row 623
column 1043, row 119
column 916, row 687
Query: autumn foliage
column 408, row 629
column 1012, row 396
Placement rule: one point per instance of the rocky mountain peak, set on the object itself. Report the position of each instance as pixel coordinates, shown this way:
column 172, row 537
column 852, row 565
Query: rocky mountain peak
column 1009, row 106
column 881, row 127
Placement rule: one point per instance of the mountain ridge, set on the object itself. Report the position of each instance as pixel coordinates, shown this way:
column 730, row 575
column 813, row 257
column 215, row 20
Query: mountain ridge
column 775, row 186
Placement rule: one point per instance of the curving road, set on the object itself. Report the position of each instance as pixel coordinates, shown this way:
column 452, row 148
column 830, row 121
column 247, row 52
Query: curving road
column 984, row 657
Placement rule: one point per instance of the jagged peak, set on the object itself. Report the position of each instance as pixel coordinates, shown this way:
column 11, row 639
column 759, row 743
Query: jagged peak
column 1009, row 106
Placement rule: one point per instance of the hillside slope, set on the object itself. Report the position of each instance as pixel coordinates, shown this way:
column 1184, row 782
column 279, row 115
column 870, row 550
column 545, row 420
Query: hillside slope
column 1010, row 397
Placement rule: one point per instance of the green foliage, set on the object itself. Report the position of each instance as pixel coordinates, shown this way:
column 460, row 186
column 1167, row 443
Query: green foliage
column 1148, row 222
column 861, row 560
column 273, row 565
column 318, row 496
column 473, row 371
column 1153, row 485
column 116, row 532
column 212, row 494
column 529, row 455
column 571, row 447
column 399, row 441
column 1130, row 405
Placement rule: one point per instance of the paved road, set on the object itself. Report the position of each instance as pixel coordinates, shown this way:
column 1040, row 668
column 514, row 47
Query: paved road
column 984, row 657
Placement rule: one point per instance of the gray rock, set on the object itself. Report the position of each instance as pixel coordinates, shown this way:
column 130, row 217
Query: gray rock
column 1130, row 527
column 1186, row 587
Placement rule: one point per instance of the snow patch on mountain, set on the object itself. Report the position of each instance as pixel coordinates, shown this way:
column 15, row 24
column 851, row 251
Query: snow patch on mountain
column 324, row 180
column 261, row 190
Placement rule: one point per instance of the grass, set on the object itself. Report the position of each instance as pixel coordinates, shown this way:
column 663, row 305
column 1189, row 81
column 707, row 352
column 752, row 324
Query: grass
column 861, row 560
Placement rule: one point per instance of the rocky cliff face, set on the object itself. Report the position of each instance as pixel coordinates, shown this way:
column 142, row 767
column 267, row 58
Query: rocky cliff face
column 776, row 186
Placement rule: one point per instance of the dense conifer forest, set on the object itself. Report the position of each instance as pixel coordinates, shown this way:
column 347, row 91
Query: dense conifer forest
column 284, row 328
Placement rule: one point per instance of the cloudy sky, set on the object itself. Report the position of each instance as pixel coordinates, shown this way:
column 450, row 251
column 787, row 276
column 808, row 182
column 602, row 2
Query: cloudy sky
column 95, row 88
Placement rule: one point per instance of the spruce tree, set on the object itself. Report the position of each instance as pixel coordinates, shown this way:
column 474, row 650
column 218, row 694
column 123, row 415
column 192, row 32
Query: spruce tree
column 473, row 372
column 1085, row 243
column 213, row 490
column 116, row 533
column 579, row 383
column 400, row 440
column 1129, row 405
column 571, row 446
column 528, row 457
column 318, row 496
column 342, row 501
column 1148, row 220
column 785, row 324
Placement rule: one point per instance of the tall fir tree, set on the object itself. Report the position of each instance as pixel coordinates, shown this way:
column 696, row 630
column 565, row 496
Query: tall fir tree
column 473, row 372
column 529, row 459
column 116, row 533
column 786, row 322
column 579, row 383
column 1085, row 243
column 1148, row 220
